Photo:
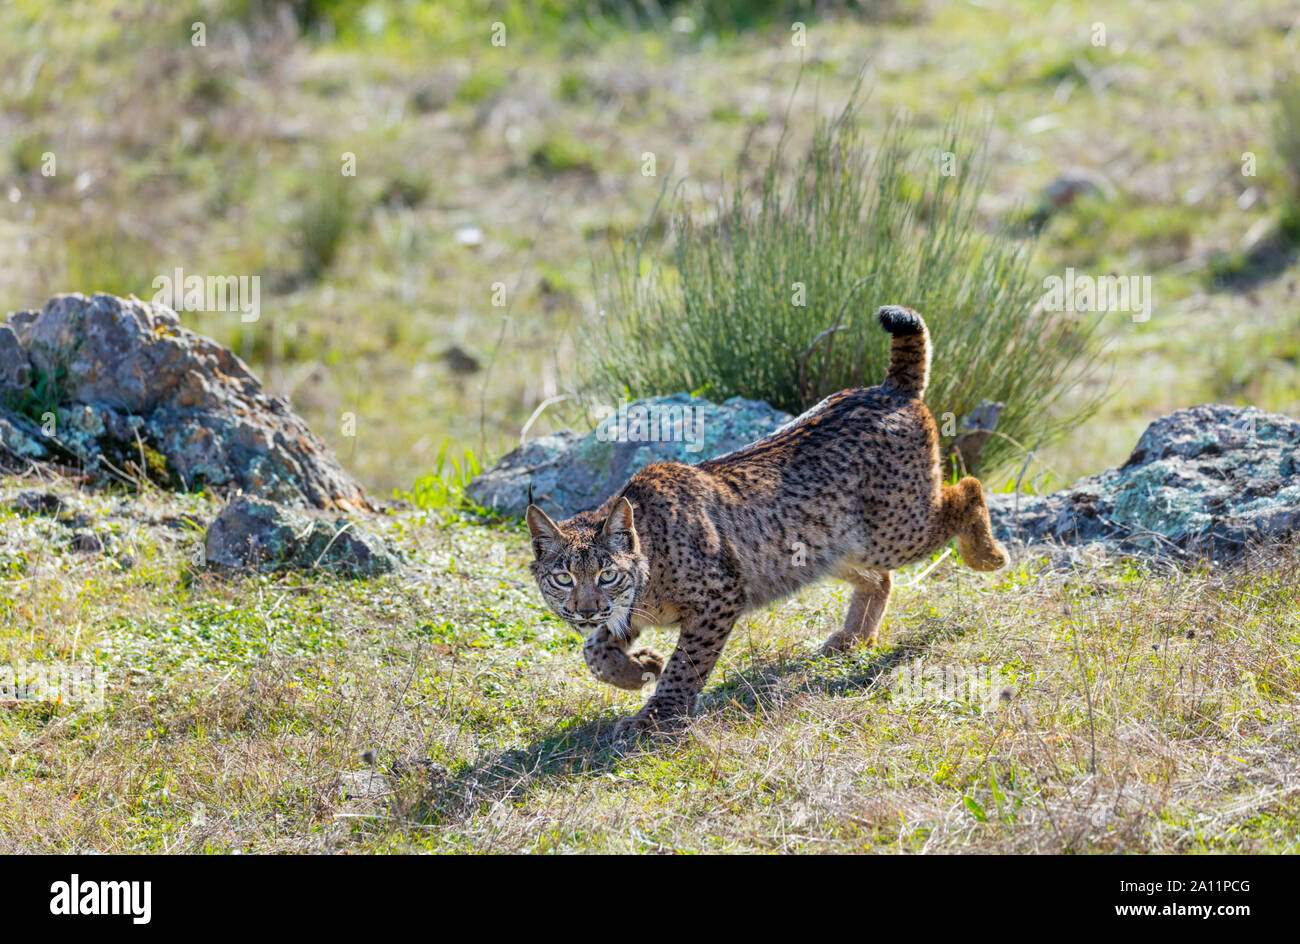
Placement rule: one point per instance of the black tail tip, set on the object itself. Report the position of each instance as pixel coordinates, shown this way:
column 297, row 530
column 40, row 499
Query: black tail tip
column 898, row 320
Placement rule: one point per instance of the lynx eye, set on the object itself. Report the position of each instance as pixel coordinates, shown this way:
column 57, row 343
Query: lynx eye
column 606, row 577
column 563, row 579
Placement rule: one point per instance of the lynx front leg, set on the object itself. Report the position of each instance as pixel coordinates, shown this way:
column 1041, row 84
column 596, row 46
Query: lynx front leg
column 699, row 645
column 608, row 658
column 866, row 609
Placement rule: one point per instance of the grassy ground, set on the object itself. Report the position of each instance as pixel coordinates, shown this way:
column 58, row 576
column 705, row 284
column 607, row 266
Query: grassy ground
column 1136, row 710
column 540, row 142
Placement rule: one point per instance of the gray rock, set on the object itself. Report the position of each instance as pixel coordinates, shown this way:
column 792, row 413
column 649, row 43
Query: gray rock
column 251, row 534
column 134, row 387
column 51, row 505
column 571, row 473
column 15, row 368
column 88, row 542
column 974, row 432
column 1210, row 481
column 36, row 503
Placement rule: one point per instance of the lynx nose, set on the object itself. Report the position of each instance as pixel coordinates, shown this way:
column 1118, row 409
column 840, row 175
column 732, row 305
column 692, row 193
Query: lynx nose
column 586, row 614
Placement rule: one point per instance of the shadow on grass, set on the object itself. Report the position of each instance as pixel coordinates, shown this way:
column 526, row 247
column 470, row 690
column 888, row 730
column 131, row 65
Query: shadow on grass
column 762, row 688
column 428, row 793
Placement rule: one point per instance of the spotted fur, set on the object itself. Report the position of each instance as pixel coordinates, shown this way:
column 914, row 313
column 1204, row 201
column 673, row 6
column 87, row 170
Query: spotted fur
column 852, row 489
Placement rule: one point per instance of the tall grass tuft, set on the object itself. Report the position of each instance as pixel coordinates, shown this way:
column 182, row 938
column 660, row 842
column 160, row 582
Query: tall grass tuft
column 849, row 229
column 1287, row 94
column 323, row 225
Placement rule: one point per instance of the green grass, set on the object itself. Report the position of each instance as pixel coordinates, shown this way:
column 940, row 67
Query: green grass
column 40, row 398
column 444, row 487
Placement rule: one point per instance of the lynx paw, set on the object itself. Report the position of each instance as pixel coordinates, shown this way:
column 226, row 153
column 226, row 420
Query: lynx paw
column 651, row 663
column 627, row 731
column 650, row 721
column 842, row 642
column 986, row 553
column 627, row 670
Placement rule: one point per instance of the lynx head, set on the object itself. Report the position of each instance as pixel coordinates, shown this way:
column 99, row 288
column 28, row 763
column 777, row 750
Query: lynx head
column 590, row 569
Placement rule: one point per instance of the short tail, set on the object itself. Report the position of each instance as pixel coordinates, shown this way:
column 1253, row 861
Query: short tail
column 909, row 355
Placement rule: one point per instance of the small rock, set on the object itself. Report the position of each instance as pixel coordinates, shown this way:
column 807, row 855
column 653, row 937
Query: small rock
column 253, row 534
column 21, row 441
column 460, row 361
column 88, row 542
column 1073, row 184
column 432, row 774
column 36, row 503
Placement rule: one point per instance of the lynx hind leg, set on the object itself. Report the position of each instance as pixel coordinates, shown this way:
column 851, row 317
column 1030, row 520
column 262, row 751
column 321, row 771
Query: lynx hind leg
column 968, row 521
column 866, row 610
column 610, row 661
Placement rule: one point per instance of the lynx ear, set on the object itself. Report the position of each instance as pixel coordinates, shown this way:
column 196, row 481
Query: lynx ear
column 619, row 524
column 545, row 531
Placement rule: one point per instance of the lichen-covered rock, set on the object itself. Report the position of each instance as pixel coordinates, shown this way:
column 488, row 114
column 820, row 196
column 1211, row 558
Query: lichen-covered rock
column 1210, row 481
column 21, row 440
column 251, row 534
column 126, row 385
column 15, row 367
column 571, row 473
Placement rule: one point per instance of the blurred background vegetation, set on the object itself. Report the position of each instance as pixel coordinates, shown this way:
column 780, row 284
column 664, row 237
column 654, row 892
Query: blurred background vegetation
column 514, row 173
